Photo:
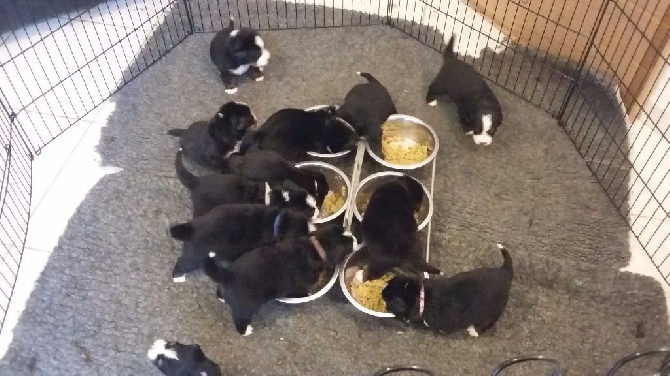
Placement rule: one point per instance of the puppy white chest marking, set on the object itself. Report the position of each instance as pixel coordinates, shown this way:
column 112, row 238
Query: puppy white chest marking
column 236, row 149
column 285, row 195
column 311, row 227
column 433, row 103
column 159, row 348
column 267, row 194
column 484, row 138
column 426, row 324
column 472, row 331
column 240, row 70
column 234, row 33
column 250, row 329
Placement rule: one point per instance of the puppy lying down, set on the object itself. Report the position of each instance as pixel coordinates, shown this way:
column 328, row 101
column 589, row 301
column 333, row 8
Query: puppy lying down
column 231, row 230
column 472, row 300
column 216, row 189
column 286, row 269
column 178, row 359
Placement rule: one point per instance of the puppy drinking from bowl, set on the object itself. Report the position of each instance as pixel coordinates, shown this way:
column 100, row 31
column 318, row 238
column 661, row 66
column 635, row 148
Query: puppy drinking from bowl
column 238, row 52
column 208, row 143
column 268, row 166
column 390, row 230
column 216, row 189
column 233, row 229
column 286, row 269
column 178, row 359
column 472, row 300
column 366, row 107
column 479, row 111
column 292, row 132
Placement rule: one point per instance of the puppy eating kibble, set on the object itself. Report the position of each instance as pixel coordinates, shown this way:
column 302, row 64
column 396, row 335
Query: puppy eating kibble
column 366, row 107
column 208, row 143
column 289, row 268
column 216, row 189
column 293, row 132
column 233, row 229
column 178, row 359
column 268, row 166
column 237, row 52
column 390, row 231
column 472, row 300
column 479, row 111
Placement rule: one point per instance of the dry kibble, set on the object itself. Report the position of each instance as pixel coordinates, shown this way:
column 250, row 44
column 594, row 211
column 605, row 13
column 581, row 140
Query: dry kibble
column 399, row 150
column 332, row 203
column 369, row 293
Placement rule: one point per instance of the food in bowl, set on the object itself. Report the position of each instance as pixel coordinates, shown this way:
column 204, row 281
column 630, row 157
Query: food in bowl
column 369, row 293
column 403, row 151
column 333, row 202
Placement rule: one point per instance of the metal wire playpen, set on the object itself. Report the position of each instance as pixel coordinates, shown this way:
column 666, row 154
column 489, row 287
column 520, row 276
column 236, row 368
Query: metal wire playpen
column 599, row 67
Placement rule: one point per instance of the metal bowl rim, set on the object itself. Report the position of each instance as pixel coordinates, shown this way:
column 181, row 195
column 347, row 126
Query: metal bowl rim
column 412, row 166
column 351, row 299
column 320, row 155
column 370, row 177
column 318, row 294
column 347, row 183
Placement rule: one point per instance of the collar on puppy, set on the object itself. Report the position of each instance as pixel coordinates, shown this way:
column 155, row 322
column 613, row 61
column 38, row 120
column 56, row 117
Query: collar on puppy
column 318, row 247
column 275, row 226
column 267, row 194
column 422, row 299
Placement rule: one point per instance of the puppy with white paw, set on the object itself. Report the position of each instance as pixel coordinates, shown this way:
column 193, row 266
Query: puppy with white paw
column 366, row 107
column 479, row 111
column 211, row 190
column 289, row 268
column 238, row 52
column 472, row 300
column 178, row 359
column 208, row 143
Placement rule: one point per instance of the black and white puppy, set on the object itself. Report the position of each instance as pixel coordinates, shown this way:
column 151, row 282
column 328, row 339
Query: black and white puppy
column 208, row 143
column 216, row 189
column 288, row 268
column 472, row 300
column 268, row 166
column 479, row 111
column 231, row 230
column 292, row 132
column 237, row 52
column 390, row 231
column 366, row 107
column 178, row 359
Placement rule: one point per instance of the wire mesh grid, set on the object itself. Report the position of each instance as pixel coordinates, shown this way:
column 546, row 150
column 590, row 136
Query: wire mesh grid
column 573, row 60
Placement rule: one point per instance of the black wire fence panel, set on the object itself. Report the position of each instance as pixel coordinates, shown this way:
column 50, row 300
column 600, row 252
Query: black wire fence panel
column 15, row 189
column 57, row 67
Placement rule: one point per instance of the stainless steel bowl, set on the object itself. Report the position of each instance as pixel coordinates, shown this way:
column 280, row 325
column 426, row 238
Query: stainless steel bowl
column 336, row 180
column 352, row 265
column 318, row 294
column 411, row 130
column 330, row 156
column 370, row 183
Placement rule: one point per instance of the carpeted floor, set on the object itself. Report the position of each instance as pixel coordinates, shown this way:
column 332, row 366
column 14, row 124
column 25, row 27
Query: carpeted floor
column 106, row 293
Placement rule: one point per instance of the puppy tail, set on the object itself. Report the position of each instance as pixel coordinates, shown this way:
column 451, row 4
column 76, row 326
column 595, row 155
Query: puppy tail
column 368, row 77
column 217, row 273
column 189, row 180
column 175, row 132
column 507, row 264
column 182, row 231
column 231, row 24
column 449, row 50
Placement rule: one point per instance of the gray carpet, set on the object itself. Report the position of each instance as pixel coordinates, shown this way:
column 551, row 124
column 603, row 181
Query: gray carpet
column 106, row 292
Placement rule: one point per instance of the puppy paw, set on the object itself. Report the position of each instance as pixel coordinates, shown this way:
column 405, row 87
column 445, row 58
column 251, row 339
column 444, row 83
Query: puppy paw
column 472, row 331
column 359, row 275
column 433, row 103
column 179, row 279
column 469, row 133
column 261, row 68
column 259, row 79
column 222, row 300
column 211, row 254
column 231, row 91
column 250, row 329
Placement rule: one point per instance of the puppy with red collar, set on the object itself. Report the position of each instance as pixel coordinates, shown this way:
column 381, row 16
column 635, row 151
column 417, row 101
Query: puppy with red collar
column 286, row 269
column 472, row 300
